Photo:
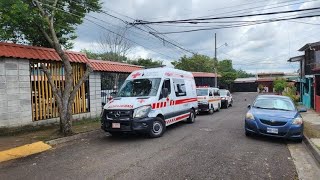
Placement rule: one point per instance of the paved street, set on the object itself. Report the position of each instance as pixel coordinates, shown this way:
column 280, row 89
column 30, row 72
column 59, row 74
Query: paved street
column 214, row 147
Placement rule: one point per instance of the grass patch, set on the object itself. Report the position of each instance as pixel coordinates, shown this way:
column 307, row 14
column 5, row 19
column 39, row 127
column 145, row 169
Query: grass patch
column 311, row 131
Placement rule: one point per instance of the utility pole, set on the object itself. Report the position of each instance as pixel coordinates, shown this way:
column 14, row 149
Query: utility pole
column 215, row 59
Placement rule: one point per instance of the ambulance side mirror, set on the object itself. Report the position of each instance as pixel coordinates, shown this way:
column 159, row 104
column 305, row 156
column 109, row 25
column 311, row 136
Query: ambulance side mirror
column 164, row 93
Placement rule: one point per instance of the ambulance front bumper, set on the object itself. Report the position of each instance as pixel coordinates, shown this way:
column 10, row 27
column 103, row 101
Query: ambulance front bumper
column 132, row 125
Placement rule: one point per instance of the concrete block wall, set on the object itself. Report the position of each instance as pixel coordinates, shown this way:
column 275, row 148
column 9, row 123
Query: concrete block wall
column 15, row 92
column 95, row 94
column 15, row 95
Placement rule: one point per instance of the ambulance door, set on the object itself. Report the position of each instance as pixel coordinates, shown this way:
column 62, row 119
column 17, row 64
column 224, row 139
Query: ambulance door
column 166, row 103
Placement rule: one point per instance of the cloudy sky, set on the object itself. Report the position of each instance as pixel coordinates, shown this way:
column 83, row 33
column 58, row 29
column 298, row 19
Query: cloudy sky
column 256, row 48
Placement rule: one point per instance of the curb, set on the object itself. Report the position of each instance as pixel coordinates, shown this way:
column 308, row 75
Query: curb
column 314, row 150
column 71, row 138
column 23, row 151
column 40, row 146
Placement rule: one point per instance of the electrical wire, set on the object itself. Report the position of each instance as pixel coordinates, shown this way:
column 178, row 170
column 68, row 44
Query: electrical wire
column 62, row 10
column 198, row 20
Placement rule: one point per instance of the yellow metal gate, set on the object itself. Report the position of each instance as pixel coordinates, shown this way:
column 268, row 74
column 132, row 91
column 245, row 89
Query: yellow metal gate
column 44, row 105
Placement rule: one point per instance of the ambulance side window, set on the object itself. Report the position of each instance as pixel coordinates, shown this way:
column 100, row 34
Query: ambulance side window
column 166, row 84
column 179, row 87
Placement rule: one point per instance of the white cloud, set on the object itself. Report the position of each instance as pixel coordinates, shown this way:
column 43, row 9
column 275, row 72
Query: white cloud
column 264, row 47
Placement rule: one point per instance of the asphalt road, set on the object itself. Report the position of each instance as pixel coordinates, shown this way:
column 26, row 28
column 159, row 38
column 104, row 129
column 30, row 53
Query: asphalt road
column 214, row 147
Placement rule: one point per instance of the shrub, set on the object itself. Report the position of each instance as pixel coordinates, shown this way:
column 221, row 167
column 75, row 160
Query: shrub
column 279, row 85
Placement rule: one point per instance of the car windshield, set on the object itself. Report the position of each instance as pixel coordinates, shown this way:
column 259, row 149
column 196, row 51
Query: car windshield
column 274, row 104
column 223, row 93
column 202, row 92
column 140, row 87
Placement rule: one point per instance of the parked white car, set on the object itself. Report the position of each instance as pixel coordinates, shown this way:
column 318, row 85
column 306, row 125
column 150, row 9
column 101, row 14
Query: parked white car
column 208, row 99
column 226, row 98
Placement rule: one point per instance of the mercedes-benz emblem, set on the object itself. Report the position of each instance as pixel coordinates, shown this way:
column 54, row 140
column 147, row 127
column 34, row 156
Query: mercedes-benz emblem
column 117, row 114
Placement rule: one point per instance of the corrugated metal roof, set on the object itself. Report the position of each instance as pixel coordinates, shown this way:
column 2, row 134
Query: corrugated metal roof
column 110, row 66
column 204, row 74
column 309, row 45
column 245, row 80
column 37, row 53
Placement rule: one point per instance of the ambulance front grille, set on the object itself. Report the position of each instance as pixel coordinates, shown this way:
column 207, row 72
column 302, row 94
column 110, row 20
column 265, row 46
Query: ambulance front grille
column 118, row 114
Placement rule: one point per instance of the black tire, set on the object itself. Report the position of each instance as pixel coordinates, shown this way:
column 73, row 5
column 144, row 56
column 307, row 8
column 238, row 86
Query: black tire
column 158, row 128
column 226, row 105
column 248, row 133
column 192, row 117
column 211, row 111
column 116, row 134
column 219, row 106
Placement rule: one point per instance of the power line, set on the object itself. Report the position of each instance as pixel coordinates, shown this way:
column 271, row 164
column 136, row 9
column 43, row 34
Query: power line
column 242, row 25
column 62, row 10
column 198, row 20
column 157, row 36
column 259, row 8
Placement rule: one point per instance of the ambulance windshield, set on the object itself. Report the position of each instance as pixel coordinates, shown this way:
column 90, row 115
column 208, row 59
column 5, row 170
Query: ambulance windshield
column 140, row 87
column 202, row 92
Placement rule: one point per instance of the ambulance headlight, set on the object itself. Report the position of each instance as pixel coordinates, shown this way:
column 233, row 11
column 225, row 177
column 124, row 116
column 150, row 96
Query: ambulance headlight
column 141, row 112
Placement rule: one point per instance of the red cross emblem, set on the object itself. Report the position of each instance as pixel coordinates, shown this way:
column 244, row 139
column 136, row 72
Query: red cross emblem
column 141, row 100
column 135, row 75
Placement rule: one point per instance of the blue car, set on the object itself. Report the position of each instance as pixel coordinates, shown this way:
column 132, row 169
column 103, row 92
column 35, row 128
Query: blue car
column 273, row 115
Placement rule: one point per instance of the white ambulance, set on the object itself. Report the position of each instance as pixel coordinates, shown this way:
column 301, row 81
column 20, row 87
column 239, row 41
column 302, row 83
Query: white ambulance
column 208, row 99
column 151, row 99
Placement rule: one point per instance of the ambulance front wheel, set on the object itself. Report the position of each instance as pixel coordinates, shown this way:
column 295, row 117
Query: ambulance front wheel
column 192, row 117
column 158, row 128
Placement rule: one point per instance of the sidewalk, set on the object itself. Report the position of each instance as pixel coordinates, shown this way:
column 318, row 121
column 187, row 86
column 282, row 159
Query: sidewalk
column 312, row 126
column 22, row 136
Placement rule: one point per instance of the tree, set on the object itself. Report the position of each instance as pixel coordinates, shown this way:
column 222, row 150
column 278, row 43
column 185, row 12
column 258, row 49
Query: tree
column 243, row 74
column 108, row 56
column 148, row 63
column 117, row 45
column 49, row 24
column 279, row 85
column 228, row 74
column 195, row 63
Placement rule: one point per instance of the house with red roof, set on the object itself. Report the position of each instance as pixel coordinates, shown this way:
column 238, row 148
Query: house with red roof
column 25, row 94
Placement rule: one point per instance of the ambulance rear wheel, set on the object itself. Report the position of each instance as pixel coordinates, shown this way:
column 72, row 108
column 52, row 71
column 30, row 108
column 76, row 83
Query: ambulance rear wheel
column 192, row 117
column 157, row 129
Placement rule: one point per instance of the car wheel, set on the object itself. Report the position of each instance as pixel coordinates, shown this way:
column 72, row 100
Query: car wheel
column 211, row 110
column 192, row 117
column 157, row 129
column 226, row 105
column 248, row 133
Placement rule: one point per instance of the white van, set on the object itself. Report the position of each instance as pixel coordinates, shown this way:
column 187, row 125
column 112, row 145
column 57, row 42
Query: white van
column 208, row 99
column 151, row 99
